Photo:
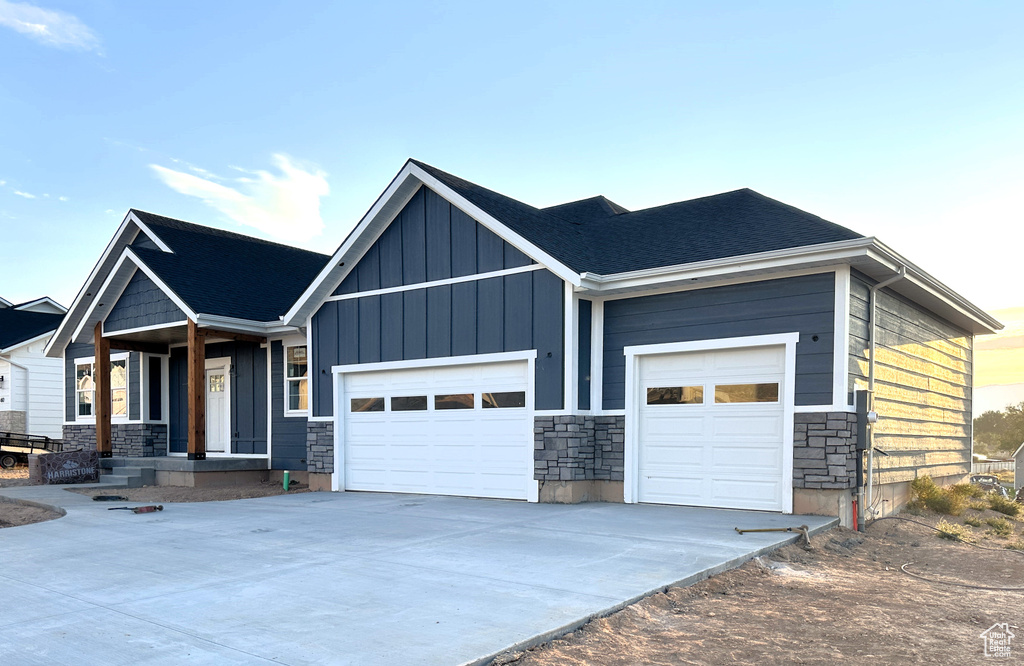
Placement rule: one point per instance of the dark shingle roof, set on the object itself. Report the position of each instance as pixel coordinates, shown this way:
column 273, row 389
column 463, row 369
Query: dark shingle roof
column 223, row 273
column 598, row 236
column 17, row 326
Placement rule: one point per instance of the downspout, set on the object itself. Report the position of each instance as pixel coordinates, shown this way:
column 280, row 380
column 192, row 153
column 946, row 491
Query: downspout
column 868, row 509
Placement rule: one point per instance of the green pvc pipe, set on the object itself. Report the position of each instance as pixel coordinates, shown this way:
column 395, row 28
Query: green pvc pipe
column 286, row 479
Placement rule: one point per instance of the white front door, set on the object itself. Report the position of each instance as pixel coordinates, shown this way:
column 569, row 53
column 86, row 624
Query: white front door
column 454, row 430
column 712, row 428
column 218, row 405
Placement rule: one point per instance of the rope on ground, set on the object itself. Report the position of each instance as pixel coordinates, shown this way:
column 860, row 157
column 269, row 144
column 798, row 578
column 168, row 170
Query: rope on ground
column 949, row 582
column 955, row 538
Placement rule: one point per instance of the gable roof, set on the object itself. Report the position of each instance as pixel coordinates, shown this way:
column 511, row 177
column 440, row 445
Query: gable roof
column 18, row 326
column 601, row 248
column 598, row 236
column 227, row 274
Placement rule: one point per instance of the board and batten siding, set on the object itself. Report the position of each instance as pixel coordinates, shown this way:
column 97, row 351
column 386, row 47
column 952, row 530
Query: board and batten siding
column 248, row 388
column 288, row 433
column 433, row 240
column 805, row 304
column 142, row 303
column 923, row 383
column 75, row 350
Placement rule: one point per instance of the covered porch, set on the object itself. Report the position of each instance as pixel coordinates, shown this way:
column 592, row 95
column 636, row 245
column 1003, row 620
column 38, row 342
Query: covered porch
column 207, row 386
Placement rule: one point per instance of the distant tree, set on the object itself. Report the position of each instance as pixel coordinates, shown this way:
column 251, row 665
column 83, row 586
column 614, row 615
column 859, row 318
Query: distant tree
column 1000, row 432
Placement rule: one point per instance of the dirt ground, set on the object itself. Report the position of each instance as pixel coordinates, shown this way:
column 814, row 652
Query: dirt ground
column 847, row 600
column 13, row 513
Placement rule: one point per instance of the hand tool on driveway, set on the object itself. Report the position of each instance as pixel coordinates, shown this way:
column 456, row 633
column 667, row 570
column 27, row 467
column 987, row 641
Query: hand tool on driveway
column 802, row 530
column 138, row 509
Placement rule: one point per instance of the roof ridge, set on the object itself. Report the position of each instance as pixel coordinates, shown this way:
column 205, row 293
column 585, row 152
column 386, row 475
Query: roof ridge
column 214, row 231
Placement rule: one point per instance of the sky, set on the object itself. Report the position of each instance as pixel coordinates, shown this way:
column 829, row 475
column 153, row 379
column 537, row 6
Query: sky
column 286, row 120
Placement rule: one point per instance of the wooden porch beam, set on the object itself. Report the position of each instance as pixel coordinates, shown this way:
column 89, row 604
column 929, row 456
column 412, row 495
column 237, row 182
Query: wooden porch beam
column 228, row 335
column 196, row 392
column 101, row 395
column 132, row 345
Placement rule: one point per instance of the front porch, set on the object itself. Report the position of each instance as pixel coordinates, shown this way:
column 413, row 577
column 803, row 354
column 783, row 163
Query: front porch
column 180, row 471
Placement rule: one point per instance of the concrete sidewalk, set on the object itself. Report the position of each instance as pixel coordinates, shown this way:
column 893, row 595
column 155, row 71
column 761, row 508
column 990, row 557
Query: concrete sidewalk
column 343, row 578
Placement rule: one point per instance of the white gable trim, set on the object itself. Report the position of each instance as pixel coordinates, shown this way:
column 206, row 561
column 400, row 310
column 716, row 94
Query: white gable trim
column 5, row 303
column 130, row 263
column 384, row 210
column 45, row 300
column 122, row 238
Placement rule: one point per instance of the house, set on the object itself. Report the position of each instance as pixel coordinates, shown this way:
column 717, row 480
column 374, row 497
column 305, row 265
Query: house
column 711, row 352
column 1018, row 468
column 30, row 384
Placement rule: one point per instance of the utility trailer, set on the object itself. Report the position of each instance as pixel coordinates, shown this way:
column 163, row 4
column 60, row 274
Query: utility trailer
column 15, row 447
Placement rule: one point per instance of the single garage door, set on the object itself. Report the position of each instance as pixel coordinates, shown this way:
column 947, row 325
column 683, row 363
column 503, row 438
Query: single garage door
column 457, row 430
column 711, row 428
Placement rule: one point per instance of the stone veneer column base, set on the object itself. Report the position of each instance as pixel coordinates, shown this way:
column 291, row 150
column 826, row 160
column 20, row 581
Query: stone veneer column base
column 574, row 492
column 320, row 447
column 579, row 457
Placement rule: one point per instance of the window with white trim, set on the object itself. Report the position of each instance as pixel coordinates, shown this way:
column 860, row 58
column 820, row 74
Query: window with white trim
column 85, row 388
column 296, row 379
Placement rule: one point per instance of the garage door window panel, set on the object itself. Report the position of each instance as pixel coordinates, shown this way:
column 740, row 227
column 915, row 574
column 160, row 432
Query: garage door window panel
column 454, row 401
column 741, row 393
column 409, row 403
column 367, row 405
column 503, row 400
column 675, row 395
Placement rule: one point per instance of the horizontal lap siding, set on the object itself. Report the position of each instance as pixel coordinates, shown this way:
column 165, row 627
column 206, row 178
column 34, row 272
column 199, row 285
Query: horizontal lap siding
column 804, row 304
column 923, row 384
column 142, row 303
column 287, row 432
column 433, row 240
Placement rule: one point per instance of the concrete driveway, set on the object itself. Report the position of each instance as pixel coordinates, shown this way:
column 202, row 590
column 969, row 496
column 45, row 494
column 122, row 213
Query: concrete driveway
column 342, row 578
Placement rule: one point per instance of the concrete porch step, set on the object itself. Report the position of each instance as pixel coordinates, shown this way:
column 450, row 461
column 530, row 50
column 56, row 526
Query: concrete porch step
column 120, row 481
column 146, row 474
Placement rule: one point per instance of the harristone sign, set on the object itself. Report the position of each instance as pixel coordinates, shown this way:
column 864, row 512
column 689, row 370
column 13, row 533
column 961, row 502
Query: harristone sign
column 71, row 467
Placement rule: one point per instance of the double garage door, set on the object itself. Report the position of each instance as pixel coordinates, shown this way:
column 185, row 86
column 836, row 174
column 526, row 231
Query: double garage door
column 457, row 430
column 711, row 429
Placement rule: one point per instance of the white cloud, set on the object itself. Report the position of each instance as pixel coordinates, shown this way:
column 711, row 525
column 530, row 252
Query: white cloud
column 284, row 206
column 48, row 26
column 24, row 194
column 62, row 198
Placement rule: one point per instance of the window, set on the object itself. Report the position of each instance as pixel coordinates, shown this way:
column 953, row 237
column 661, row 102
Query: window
column 85, row 387
column 454, row 401
column 676, row 395
column 409, row 403
column 296, row 380
column 747, row 393
column 119, row 388
column 503, row 400
column 367, row 404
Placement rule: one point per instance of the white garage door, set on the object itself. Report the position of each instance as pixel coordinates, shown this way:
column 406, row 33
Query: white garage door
column 711, row 428
column 457, row 430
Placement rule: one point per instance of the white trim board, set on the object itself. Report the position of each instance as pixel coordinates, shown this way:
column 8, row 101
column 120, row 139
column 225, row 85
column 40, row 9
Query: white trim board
column 631, row 447
column 841, row 337
column 435, row 283
column 436, row 362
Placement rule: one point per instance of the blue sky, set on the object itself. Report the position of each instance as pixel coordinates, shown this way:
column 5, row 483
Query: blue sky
column 286, row 120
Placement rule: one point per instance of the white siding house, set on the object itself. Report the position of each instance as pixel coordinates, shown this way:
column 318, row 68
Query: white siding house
column 31, row 397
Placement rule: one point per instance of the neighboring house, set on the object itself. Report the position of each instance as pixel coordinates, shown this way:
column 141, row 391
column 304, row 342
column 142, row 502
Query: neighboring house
column 460, row 342
column 1018, row 468
column 30, row 383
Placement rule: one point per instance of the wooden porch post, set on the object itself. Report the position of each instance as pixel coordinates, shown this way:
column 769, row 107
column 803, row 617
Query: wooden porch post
column 101, row 396
column 196, row 392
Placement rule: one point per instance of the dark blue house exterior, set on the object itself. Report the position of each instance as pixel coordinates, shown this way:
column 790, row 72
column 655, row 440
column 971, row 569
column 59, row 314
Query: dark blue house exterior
column 460, row 342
